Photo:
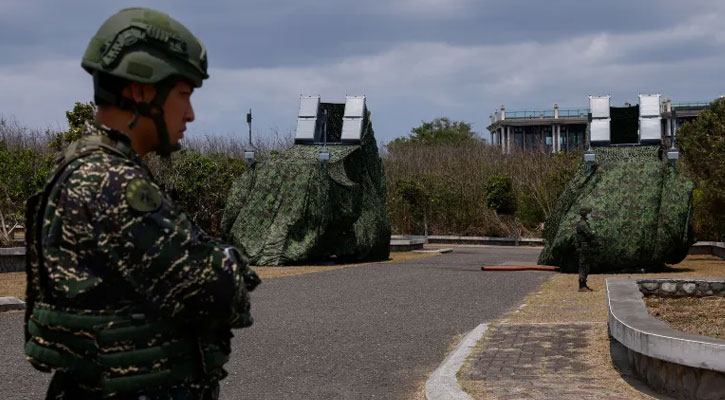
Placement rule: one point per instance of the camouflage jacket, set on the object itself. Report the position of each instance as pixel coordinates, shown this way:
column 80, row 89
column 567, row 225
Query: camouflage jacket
column 584, row 234
column 112, row 240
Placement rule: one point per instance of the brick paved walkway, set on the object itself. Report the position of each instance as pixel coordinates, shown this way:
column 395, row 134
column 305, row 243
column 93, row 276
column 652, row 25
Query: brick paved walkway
column 537, row 361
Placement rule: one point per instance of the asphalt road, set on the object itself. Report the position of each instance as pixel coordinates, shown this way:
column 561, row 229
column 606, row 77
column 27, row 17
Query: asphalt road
column 374, row 331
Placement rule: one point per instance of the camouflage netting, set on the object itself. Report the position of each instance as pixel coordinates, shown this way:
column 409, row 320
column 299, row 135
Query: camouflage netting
column 289, row 209
column 642, row 212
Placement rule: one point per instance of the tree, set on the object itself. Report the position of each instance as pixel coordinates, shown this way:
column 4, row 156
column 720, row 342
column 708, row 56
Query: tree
column 77, row 118
column 439, row 131
column 702, row 142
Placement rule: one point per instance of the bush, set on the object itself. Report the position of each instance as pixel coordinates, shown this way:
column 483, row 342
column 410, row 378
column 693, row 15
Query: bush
column 500, row 195
column 198, row 184
column 456, row 180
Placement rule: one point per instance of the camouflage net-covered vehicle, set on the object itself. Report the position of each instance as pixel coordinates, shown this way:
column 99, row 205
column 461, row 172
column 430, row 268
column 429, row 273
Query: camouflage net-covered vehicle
column 642, row 212
column 291, row 208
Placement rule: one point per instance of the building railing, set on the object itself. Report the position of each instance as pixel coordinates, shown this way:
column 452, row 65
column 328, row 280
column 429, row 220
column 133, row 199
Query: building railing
column 536, row 114
column 573, row 113
column 684, row 106
column 689, row 106
column 581, row 112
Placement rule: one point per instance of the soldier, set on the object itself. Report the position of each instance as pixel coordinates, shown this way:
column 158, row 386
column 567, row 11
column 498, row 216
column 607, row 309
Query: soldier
column 126, row 297
column 584, row 238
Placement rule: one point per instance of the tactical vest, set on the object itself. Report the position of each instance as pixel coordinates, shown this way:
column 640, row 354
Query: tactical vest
column 109, row 351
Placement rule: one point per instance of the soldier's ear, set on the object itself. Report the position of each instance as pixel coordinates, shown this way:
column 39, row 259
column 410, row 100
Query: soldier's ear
column 140, row 92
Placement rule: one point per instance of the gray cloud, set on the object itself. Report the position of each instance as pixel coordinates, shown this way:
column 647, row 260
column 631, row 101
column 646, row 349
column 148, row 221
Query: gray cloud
column 415, row 60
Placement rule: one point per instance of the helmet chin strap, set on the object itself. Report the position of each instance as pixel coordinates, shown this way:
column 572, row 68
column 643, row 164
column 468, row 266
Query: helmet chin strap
column 153, row 110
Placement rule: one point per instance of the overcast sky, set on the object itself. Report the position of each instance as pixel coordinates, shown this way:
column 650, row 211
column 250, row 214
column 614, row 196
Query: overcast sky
column 415, row 60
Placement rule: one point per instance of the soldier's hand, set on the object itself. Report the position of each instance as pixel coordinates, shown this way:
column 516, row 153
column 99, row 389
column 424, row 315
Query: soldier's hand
column 251, row 279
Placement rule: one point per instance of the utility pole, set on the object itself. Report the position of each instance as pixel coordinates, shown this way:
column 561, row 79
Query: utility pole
column 249, row 122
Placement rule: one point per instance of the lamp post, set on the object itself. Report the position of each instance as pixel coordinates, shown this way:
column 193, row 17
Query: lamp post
column 589, row 157
column 249, row 154
column 673, row 154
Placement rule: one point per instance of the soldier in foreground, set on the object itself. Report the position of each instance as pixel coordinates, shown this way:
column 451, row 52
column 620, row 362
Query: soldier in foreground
column 584, row 238
column 127, row 298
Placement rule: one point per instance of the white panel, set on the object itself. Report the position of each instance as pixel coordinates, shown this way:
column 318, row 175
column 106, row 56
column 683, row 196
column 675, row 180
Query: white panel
column 650, row 129
column 305, row 129
column 600, row 130
column 309, row 105
column 351, row 129
column 354, row 106
column 599, row 106
column 649, row 105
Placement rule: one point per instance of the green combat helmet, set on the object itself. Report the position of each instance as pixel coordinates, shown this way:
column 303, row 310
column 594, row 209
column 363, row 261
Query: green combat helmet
column 585, row 210
column 146, row 46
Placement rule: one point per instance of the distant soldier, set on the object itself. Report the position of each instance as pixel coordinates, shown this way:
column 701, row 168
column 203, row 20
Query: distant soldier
column 584, row 238
column 126, row 297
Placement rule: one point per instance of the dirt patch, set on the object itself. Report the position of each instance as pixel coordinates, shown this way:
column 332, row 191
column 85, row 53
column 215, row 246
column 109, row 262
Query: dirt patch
column 697, row 315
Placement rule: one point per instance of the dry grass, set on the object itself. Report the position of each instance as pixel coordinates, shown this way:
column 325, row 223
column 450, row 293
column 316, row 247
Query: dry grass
column 13, row 283
column 699, row 316
column 558, row 301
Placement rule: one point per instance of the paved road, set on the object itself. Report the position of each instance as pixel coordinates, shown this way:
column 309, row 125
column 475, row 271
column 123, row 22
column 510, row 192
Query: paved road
column 373, row 331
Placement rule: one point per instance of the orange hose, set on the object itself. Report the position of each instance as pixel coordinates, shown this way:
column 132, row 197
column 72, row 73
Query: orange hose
column 517, row 268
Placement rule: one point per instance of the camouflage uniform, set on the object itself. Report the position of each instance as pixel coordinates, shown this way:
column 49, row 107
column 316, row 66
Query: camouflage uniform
column 584, row 237
column 109, row 245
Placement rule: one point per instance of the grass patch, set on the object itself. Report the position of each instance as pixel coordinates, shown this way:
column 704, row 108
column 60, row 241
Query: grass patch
column 697, row 315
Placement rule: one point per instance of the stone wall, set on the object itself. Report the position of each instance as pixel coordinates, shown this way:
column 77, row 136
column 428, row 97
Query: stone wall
column 682, row 287
column 12, row 259
column 679, row 381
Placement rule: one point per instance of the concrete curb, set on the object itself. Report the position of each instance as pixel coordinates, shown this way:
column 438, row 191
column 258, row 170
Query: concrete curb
column 443, row 384
column 439, row 251
column 632, row 325
column 11, row 303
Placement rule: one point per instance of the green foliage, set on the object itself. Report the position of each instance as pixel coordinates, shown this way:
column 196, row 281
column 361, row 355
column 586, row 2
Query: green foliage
column 412, row 192
column 81, row 113
column 439, row 131
column 23, row 171
column 702, row 142
column 198, row 184
column 500, row 195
